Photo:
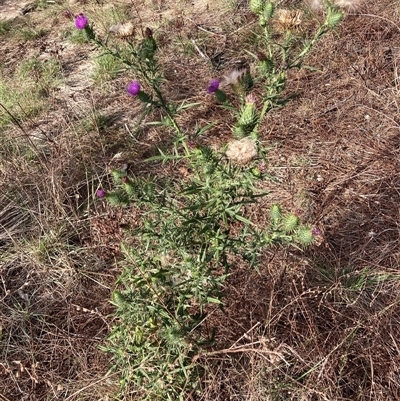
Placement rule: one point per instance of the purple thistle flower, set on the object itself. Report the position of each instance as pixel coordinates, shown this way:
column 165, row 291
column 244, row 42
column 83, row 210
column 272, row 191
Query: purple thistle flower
column 133, row 88
column 101, row 193
column 213, row 86
column 81, row 21
column 315, row 231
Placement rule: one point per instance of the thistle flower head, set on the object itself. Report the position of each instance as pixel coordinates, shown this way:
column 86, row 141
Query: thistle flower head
column 241, row 151
column 213, row 85
column 123, row 31
column 288, row 19
column 347, row 4
column 233, row 76
column 251, row 98
column 315, row 231
column 101, row 193
column 133, row 88
column 80, row 21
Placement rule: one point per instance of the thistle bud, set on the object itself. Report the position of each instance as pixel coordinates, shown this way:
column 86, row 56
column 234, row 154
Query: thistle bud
column 247, row 121
column 256, row 5
column 290, row 222
column 304, row 236
column 148, row 48
column 119, row 299
column 248, row 114
column 266, row 66
column 251, row 98
column 333, row 17
column 269, row 10
column 144, row 97
column 275, row 214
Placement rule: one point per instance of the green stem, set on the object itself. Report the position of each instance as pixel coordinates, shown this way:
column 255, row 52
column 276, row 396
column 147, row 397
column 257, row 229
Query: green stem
column 323, row 29
column 268, row 42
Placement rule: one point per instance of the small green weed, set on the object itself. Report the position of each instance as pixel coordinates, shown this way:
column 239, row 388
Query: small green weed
column 17, row 104
column 24, row 96
column 43, row 75
column 43, row 4
column 352, row 285
column 27, row 34
column 5, row 27
column 106, row 68
column 95, row 122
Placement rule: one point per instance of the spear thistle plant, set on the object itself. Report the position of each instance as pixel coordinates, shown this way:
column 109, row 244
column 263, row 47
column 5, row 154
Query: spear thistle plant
column 175, row 274
column 192, row 229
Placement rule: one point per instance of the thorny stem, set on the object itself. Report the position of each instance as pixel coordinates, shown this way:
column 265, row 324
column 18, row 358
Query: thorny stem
column 323, row 29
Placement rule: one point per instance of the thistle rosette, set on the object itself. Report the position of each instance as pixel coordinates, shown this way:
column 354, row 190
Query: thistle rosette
column 289, row 223
column 276, row 216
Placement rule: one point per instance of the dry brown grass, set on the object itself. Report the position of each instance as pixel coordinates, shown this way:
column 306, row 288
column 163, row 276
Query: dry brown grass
column 318, row 325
